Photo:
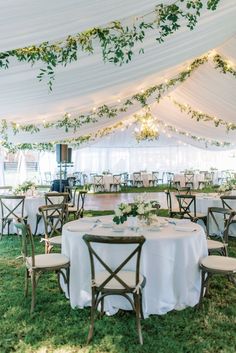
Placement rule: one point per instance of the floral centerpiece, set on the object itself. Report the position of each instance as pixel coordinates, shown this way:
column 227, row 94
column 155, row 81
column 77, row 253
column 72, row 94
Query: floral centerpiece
column 139, row 208
column 24, row 187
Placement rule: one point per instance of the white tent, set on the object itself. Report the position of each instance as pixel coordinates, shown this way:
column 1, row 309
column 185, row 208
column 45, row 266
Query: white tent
column 90, row 83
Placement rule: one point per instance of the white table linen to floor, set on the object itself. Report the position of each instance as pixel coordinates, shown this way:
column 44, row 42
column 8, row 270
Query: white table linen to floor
column 196, row 179
column 204, row 201
column 169, row 262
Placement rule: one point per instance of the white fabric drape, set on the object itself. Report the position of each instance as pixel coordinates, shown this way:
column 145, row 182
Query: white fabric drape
column 89, row 82
column 173, row 158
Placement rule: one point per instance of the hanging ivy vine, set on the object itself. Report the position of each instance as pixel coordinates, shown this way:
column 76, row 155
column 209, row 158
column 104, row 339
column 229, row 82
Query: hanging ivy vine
column 117, row 40
column 200, row 116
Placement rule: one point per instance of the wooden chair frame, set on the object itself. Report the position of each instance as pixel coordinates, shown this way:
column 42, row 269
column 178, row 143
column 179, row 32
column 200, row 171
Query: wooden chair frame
column 49, row 196
column 189, row 179
column 54, row 217
column 137, row 179
column 9, row 214
column 100, row 292
column 79, row 203
column 116, row 182
column 98, row 183
column 32, row 272
column 223, row 234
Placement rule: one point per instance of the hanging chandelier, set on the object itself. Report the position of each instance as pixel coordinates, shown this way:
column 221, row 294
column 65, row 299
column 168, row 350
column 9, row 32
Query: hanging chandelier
column 146, row 128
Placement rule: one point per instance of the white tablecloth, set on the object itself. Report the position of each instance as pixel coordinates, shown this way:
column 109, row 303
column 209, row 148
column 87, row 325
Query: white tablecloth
column 181, row 179
column 169, row 262
column 203, row 202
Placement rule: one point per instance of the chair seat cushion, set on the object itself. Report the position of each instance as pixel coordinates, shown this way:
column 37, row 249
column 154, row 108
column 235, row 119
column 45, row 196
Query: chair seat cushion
column 214, row 244
column 48, row 260
column 72, row 209
column 219, row 263
column 127, row 276
column 55, row 240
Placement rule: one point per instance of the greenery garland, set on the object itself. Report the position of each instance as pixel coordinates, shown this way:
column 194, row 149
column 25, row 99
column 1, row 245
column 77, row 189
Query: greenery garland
column 109, row 112
column 200, row 116
column 117, row 41
column 224, row 65
column 104, row 111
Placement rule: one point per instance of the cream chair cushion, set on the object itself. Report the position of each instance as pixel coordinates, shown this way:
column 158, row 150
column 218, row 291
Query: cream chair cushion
column 48, row 260
column 219, row 263
column 127, row 276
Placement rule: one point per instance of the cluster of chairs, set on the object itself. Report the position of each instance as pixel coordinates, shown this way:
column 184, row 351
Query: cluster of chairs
column 54, row 216
column 218, row 221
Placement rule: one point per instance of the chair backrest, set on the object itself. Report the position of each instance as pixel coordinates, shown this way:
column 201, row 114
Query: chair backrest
column 12, row 206
column 81, row 195
column 228, row 202
column 189, row 177
column 218, row 221
column 98, row 179
column 113, row 273
column 52, row 198
column 117, row 179
column 54, row 217
column 27, row 241
column 85, row 179
column 124, row 177
column 169, row 176
column 155, row 176
column 137, row 176
column 187, row 205
column 183, row 190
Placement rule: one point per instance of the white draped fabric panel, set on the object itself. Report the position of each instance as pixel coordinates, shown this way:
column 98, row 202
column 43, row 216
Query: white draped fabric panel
column 89, row 82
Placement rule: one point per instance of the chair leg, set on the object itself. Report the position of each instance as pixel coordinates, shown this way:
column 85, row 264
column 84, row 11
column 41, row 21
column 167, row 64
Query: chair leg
column 92, row 319
column 38, row 219
column 26, row 282
column 141, row 306
column 33, row 285
column 137, row 312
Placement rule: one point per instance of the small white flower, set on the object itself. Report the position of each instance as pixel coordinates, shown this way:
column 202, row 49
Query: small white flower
column 118, row 212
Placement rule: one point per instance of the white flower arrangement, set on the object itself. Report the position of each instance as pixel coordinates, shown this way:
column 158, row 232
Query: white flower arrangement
column 139, row 208
column 225, row 187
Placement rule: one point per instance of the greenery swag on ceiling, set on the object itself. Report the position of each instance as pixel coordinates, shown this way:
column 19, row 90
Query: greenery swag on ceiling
column 117, row 40
column 200, row 116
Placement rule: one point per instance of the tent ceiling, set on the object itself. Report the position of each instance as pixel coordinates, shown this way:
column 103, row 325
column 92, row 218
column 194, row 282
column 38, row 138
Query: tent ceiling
column 90, row 82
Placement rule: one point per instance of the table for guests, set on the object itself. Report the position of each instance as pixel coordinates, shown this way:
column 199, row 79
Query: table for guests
column 145, row 177
column 170, row 259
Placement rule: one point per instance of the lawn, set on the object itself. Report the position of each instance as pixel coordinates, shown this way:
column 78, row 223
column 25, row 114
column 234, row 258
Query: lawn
column 57, row 328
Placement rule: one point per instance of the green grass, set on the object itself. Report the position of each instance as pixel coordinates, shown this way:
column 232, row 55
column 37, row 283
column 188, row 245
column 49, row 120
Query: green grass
column 57, row 328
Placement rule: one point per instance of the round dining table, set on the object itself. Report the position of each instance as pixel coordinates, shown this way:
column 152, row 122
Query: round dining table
column 169, row 261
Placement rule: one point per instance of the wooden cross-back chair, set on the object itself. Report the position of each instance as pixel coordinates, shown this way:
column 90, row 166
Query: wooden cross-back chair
column 77, row 209
column 98, row 183
column 187, row 208
column 154, row 179
column 116, row 281
column 116, row 182
column 12, row 208
column 172, row 212
column 38, row 264
column 170, row 178
column 218, row 223
column 54, row 217
column 137, row 179
column 189, row 179
column 52, row 198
